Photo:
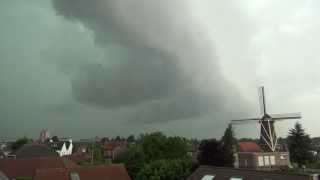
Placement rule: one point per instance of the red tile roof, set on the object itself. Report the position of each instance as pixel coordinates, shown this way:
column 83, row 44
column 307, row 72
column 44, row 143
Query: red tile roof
column 249, row 146
column 52, row 174
column 102, row 172
column 27, row 167
column 112, row 145
column 77, row 157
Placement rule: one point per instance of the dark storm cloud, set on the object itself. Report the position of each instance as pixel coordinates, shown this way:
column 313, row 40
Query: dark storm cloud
column 161, row 60
column 139, row 75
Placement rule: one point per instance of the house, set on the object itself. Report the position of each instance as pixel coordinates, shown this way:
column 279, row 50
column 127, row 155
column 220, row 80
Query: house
column 81, row 146
column 63, row 148
column 222, row 173
column 26, row 167
column 101, row 172
column 113, row 148
column 33, row 150
column 251, row 156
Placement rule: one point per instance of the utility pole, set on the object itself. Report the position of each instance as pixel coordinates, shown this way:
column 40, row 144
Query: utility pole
column 92, row 150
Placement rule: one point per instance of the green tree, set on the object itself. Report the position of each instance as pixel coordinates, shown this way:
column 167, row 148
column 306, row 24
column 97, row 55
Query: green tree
column 98, row 153
column 166, row 169
column 211, row 153
column 133, row 158
column 131, row 139
column 299, row 145
column 118, row 138
column 19, row 143
column 228, row 142
column 55, row 139
column 158, row 146
column 152, row 147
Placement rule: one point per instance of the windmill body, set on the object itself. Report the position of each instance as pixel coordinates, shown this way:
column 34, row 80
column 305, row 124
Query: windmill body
column 268, row 138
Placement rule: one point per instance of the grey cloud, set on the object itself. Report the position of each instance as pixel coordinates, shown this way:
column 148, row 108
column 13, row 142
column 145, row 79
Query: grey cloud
column 134, row 76
column 160, row 57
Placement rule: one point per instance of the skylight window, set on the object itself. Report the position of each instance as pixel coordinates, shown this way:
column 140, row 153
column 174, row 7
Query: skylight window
column 208, row 177
column 236, row 178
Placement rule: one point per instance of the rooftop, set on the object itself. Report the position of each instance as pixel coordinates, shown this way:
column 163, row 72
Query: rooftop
column 249, row 146
column 112, row 172
column 223, row 173
column 34, row 150
column 26, row 167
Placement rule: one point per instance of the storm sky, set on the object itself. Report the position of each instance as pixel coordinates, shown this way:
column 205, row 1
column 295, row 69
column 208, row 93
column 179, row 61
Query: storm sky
column 117, row 67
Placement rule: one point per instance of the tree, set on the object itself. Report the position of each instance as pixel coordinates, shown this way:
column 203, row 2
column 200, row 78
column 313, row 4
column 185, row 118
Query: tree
column 55, row 139
column 98, row 153
column 118, row 138
column 131, row 139
column 19, row 143
column 104, row 140
column 166, row 169
column 211, row 153
column 133, row 158
column 228, row 145
column 152, row 147
column 299, row 144
column 157, row 146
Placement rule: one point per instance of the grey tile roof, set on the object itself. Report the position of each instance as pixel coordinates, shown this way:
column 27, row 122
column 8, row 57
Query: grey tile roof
column 221, row 173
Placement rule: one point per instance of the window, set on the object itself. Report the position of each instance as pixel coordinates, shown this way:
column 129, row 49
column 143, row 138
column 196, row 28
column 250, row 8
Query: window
column 246, row 162
column 266, row 161
column 208, row 177
column 236, row 178
column 260, row 161
column 283, row 156
column 272, row 160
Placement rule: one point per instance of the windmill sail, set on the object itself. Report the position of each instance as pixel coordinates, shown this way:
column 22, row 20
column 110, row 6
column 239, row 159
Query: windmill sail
column 268, row 137
column 286, row 116
column 262, row 101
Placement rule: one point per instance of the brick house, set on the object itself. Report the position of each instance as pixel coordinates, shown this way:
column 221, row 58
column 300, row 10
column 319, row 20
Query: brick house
column 251, row 156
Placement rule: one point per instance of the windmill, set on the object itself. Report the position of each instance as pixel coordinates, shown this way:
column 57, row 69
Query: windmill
column 268, row 138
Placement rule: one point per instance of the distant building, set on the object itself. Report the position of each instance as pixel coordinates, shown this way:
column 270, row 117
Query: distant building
column 63, row 148
column 251, row 156
column 220, row 173
column 113, row 148
column 5, row 149
column 44, row 135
